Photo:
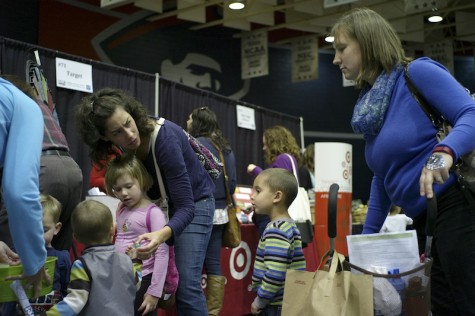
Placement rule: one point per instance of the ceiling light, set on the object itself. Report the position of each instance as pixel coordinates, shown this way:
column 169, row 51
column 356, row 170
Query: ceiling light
column 435, row 18
column 329, row 39
column 236, row 4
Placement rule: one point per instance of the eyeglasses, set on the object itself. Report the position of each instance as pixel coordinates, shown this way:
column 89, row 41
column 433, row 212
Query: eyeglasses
column 203, row 108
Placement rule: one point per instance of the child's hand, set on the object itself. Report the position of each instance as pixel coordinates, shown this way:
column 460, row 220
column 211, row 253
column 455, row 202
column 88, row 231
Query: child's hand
column 149, row 304
column 254, row 309
column 131, row 252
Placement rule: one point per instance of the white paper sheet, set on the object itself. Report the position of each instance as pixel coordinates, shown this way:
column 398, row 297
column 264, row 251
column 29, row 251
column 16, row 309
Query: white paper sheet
column 391, row 250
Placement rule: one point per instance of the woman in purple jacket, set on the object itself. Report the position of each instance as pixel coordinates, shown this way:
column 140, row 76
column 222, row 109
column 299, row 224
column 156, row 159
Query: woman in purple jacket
column 278, row 143
column 111, row 117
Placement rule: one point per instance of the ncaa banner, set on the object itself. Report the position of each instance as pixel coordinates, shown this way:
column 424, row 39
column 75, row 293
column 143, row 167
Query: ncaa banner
column 254, row 54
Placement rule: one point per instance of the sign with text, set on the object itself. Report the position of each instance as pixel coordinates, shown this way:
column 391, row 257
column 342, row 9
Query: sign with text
column 443, row 52
column 305, row 59
column 245, row 117
column 73, row 75
column 254, row 54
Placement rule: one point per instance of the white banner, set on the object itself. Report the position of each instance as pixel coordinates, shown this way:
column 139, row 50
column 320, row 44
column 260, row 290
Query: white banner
column 305, row 59
column 254, row 54
column 443, row 52
column 73, row 75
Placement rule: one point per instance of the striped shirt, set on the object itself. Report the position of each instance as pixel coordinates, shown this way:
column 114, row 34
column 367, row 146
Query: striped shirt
column 279, row 249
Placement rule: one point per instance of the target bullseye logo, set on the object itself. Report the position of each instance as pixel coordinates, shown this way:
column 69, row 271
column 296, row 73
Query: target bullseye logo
column 240, row 261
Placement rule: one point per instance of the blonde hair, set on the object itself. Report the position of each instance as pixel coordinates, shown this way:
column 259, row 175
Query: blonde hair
column 280, row 141
column 127, row 164
column 381, row 48
column 92, row 222
column 51, row 206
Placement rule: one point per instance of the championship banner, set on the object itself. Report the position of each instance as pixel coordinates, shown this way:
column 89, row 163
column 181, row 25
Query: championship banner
column 305, row 59
column 442, row 52
column 254, row 54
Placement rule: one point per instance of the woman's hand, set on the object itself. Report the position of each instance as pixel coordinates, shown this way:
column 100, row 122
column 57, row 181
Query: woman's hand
column 437, row 172
column 155, row 239
column 251, row 168
column 8, row 256
column 149, row 304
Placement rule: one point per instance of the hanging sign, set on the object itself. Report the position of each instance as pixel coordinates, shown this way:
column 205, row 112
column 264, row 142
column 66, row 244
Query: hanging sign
column 254, row 54
column 73, row 75
column 305, row 59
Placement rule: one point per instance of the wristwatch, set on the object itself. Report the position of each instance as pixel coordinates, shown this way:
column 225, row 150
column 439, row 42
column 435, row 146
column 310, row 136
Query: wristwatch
column 435, row 161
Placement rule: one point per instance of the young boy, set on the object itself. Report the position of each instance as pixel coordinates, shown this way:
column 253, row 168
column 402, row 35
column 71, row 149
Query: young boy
column 280, row 246
column 51, row 224
column 102, row 280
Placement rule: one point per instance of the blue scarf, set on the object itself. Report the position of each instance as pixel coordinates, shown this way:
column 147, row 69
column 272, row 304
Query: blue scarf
column 373, row 102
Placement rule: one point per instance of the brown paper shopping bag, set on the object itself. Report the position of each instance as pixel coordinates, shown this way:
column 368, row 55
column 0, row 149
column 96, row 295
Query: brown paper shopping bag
column 328, row 292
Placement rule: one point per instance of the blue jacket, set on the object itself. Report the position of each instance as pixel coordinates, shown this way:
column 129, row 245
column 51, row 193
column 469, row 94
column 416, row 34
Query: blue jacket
column 397, row 154
column 186, row 180
column 21, row 136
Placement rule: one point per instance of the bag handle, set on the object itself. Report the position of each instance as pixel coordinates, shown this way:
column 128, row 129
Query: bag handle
column 153, row 139
column 436, row 119
column 294, row 170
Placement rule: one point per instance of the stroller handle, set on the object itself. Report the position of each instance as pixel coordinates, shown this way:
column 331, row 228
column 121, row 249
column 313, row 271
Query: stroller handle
column 332, row 201
column 431, row 216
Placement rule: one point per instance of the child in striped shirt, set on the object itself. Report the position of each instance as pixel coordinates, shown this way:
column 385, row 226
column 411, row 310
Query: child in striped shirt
column 280, row 246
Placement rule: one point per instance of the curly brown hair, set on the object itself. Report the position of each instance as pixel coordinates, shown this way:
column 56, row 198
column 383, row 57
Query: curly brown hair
column 95, row 109
column 279, row 141
column 308, row 157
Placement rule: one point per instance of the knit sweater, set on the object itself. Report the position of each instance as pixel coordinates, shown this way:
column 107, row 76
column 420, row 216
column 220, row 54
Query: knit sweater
column 279, row 249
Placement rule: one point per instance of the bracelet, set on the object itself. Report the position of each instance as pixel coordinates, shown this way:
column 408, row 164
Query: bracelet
column 443, row 149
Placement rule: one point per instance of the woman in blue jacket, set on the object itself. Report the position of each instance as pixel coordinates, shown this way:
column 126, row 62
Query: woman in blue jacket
column 408, row 162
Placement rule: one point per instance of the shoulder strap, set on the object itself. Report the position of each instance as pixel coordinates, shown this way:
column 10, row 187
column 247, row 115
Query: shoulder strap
column 153, row 140
column 147, row 219
column 229, row 200
column 294, row 170
column 436, row 119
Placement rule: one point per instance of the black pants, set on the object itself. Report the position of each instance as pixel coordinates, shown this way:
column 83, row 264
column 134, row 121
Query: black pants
column 453, row 252
column 146, row 281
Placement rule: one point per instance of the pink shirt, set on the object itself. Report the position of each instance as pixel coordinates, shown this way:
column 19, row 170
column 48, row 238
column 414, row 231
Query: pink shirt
column 133, row 222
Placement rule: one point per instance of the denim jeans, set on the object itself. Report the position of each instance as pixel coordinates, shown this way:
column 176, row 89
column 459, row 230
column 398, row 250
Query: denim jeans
column 213, row 254
column 272, row 310
column 453, row 252
column 190, row 250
